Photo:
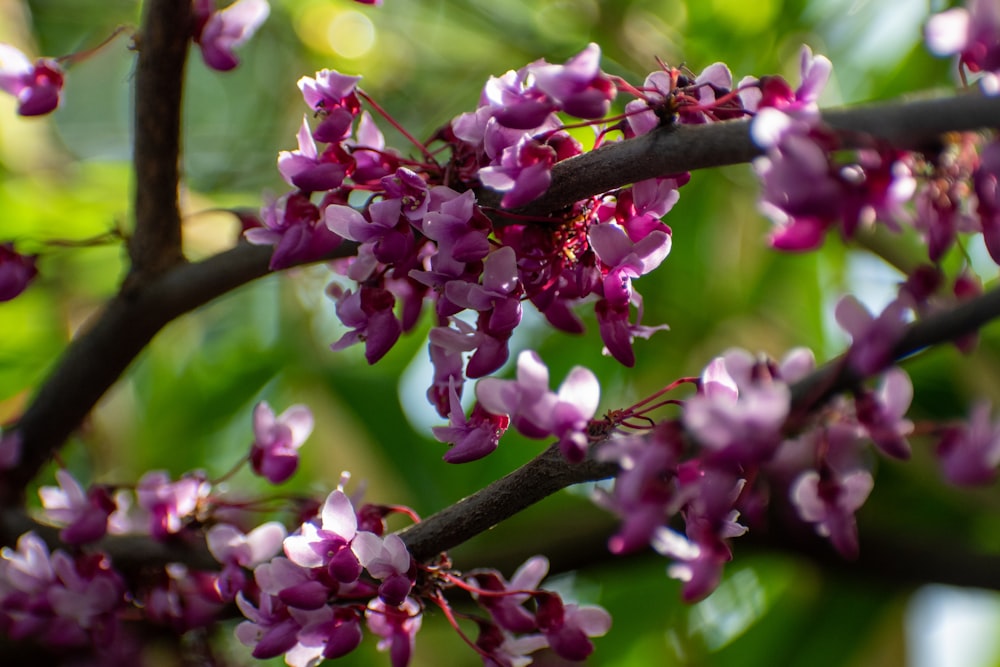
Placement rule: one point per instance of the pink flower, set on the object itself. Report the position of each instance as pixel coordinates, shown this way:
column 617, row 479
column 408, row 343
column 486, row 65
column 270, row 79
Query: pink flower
column 236, row 550
column 274, row 453
column 830, row 500
column 37, row 87
column 292, row 224
column 369, row 312
column 306, row 169
column 873, row 338
column 625, row 260
column 568, row 627
column 883, row 413
column 169, row 503
column 16, row 270
column 969, row 454
column 473, row 438
column 579, row 87
column 84, row 515
column 225, row 30
column 973, row 33
column 537, row 412
column 397, row 626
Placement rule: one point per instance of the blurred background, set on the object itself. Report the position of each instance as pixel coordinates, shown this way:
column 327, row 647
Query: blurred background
column 187, row 402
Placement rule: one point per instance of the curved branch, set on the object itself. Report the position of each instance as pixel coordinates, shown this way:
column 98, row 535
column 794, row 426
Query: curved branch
column 163, row 45
column 100, row 354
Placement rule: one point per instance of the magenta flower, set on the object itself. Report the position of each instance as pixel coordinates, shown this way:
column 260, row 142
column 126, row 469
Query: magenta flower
column 168, row 503
column 388, row 560
column 873, row 338
column 972, row 32
column 369, row 312
column 986, row 179
column 292, row 224
column 225, row 30
column 83, row 515
column 830, row 500
column 16, row 270
column 306, row 169
column 579, row 87
column 741, row 424
column 270, row 631
column 969, row 454
column 274, row 454
column 882, row 413
column 37, row 87
column 327, row 633
column 473, row 437
column 236, row 551
column 568, row 627
column 537, row 412
column 397, row 626
column 698, row 562
column 10, row 449
column 508, row 611
column 626, row 260
column 523, row 172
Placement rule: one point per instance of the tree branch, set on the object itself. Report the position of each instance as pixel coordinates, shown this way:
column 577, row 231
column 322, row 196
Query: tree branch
column 676, row 149
column 163, row 45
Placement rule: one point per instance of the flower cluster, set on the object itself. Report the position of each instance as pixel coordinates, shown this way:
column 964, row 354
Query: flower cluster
column 972, row 32
column 737, row 420
column 338, row 571
column 514, row 630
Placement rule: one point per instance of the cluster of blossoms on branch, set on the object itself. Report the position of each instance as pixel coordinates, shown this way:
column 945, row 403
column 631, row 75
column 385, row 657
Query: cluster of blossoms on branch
column 425, row 236
column 311, row 594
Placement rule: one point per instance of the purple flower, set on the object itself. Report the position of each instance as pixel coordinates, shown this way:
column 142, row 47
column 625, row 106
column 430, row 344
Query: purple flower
column 37, row 87
column 306, row 169
column 386, row 236
column 568, row 627
column 969, row 454
column 626, row 260
column 537, row 412
column 873, row 338
column 84, row 515
column 169, row 503
column 523, row 172
column 10, row 449
column 236, row 551
column 327, row 633
column 830, row 500
column 985, row 179
column 498, row 296
column 579, row 87
column 974, row 34
column 227, row 29
column 388, row 560
column 697, row 562
column 740, row 424
column 293, row 226
column 882, row 413
column 473, row 438
column 270, row 630
column 618, row 333
column 508, row 609
column 397, row 626
column 274, row 453
column 369, row 312
column 16, row 270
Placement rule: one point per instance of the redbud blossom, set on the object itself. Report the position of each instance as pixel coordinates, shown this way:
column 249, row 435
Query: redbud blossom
column 223, row 31
column 16, row 271
column 37, row 87
column 274, row 453
column 537, row 412
column 973, row 33
column 970, row 453
column 83, row 514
